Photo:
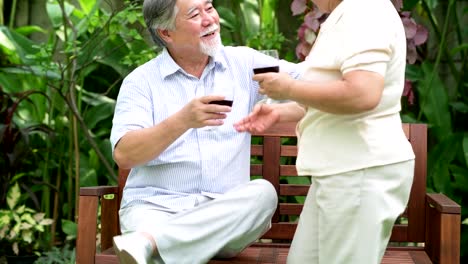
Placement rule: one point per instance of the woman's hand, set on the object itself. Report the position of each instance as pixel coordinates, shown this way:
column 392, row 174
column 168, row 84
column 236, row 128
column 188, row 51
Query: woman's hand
column 260, row 119
column 274, row 85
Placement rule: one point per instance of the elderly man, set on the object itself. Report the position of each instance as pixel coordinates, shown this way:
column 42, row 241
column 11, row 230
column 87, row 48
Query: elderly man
column 188, row 196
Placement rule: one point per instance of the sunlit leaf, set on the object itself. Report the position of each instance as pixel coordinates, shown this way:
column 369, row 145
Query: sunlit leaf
column 28, row 219
column 27, row 30
column 45, row 222
column 39, row 216
column 25, row 226
column 27, row 236
column 15, row 248
column 5, row 42
column 88, row 5
column 13, row 196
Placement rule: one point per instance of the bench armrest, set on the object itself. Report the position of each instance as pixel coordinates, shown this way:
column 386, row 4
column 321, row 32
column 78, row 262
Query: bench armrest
column 98, row 190
column 89, row 201
column 442, row 203
column 443, row 226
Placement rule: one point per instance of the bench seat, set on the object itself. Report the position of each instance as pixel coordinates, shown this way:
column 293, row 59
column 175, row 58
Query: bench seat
column 277, row 255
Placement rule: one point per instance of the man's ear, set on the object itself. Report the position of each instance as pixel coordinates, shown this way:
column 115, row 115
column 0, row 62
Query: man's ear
column 164, row 34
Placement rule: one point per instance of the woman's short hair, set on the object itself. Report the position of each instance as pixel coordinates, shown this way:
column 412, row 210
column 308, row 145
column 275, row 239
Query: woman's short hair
column 159, row 14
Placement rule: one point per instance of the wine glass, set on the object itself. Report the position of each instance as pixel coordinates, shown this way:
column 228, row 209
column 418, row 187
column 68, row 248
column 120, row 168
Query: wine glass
column 268, row 66
column 221, row 87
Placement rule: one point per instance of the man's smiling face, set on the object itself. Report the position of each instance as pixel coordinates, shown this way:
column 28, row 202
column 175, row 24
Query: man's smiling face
column 197, row 27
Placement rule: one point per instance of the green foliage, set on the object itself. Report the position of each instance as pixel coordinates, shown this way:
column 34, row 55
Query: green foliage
column 250, row 22
column 64, row 255
column 441, row 89
column 20, row 226
column 16, row 135
column 91, row 46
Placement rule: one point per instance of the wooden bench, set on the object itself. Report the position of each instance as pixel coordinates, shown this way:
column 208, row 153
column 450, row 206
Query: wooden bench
column 427, row 232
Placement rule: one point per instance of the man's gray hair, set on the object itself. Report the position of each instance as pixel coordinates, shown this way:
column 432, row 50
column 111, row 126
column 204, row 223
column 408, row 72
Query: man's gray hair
column 159, row 14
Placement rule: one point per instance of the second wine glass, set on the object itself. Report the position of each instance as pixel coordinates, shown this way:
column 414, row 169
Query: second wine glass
column 268, row 66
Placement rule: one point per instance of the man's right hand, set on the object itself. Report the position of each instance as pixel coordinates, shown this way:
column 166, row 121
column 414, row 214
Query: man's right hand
column 200, row 113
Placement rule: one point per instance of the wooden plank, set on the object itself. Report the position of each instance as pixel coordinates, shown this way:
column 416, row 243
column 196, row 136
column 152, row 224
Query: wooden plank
column 294, row 189
column 288, row 170
column 433, row 230
column 416, row 205
column 450, row 238
column 420, row 257
column 256, row 150
column 287, row 129
column 123, row 174
column 288, row 151
column 272, row 255
column 443, row 204
column 109, row 221
column 87, row 228
column 399, row 233
column 98, row 190
column 443, row 236
column 281, row 231
column 106, row 259
column 290, row 209
column 256, row 169
column 271, row 148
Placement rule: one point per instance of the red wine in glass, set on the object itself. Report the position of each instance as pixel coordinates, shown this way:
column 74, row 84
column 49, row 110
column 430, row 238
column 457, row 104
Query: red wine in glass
column 222, row 102
column 266, row 69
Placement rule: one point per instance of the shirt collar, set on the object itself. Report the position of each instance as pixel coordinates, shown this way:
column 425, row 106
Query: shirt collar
column 169, row 66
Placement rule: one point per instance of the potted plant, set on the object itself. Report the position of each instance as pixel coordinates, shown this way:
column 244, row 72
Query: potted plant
column 20, row 229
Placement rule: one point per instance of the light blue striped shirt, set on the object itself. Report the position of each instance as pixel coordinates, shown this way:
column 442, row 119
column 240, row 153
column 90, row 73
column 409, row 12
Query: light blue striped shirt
column 201, row 162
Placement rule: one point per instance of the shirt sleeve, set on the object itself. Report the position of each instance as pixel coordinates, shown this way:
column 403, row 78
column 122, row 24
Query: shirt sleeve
column 367, row 41
column 128, row 114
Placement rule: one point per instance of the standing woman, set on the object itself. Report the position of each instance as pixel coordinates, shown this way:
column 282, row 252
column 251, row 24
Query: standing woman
column 351, row 140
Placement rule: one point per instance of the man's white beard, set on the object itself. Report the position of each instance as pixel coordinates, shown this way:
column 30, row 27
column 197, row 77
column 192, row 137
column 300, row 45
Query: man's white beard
column 212, row 47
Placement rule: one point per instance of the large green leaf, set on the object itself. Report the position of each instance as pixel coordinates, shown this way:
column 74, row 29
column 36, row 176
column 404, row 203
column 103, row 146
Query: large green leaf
column 251, row 18
column 98, row 113
column 27, row 30
column 228, row 19
column 16, row 46
column 439, row 160
column 55, row 13
column 69, row 228
column 434, row 101
column 460, row 175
